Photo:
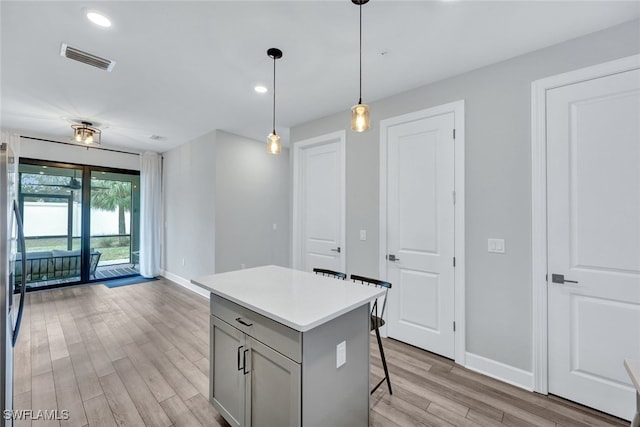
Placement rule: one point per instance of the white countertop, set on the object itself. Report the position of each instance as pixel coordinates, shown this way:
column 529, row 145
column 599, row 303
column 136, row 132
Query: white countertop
column 297, row 299
column 633, row 368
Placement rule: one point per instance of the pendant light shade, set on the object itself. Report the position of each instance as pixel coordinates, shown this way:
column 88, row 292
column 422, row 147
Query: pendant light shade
column 273, row 143
column 360, row 120
column 273, row 140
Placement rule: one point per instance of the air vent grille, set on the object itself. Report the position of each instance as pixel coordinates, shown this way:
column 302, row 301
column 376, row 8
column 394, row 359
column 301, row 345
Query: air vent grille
column 86, row 58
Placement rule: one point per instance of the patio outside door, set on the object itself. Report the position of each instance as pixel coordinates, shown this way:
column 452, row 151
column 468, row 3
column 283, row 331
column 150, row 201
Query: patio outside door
column 115, row 201
column 81, row 223
column 51, row 203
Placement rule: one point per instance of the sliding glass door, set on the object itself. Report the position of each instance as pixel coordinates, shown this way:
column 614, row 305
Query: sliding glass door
column 81, row 223
column 51, row 204
column 114, row 224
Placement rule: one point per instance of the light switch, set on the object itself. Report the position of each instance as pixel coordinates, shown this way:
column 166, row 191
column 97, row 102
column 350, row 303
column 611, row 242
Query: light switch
column 496, row 246
column 341, row 354
column 363, row 234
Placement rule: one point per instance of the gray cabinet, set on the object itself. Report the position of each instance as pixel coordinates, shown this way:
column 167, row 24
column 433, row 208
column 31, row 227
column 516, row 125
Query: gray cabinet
column 252, row 384
column 226, row 375
column 264, row 374
column 272, row 393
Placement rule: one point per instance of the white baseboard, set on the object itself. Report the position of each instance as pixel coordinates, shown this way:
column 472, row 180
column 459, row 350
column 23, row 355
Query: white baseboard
column 500, row 371
column 185, row 283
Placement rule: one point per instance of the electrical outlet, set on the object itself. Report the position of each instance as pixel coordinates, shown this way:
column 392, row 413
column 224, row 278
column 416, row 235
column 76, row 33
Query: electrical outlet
column 341, row 354
column 363, row 234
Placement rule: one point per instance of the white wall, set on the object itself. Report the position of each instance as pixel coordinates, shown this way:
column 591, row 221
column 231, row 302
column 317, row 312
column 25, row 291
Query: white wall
column 252, row 194
column 43, row 150
column 222, row 195
column 498, row 182
column 51, row 219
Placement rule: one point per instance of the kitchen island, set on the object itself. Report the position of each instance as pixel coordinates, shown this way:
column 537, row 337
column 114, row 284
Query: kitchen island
column 289, row 348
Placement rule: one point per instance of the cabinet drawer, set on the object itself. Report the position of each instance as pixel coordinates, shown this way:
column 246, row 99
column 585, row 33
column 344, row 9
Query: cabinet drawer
column 276, row 335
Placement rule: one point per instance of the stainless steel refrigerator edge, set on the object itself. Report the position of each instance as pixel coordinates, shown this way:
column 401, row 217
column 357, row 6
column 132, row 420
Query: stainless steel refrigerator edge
column 10, row 305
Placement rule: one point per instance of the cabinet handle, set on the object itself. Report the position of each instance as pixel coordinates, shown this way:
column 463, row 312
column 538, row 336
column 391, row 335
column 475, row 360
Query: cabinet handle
column 240, row 368
column 244, row 362
column 239, row 320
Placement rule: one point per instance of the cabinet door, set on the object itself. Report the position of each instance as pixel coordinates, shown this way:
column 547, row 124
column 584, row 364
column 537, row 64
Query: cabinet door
column 273, row 388
column 226, row 371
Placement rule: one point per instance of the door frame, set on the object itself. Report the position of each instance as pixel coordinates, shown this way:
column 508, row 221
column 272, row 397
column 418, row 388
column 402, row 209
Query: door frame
column 296, row 244
column 539, row 90
column 457, row 108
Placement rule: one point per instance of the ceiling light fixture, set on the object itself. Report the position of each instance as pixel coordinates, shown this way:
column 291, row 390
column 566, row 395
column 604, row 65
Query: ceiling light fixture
column 274, row 146
column 86, row 133
column 360, row 120
column 99, row 19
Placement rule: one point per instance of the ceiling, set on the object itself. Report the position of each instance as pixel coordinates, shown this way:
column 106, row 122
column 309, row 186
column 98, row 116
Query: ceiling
column 186, row 68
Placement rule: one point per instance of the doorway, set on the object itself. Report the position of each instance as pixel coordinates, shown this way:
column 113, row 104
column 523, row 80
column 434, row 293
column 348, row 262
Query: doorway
column 81, row 223
column 422, row 227
column 586, row 234
column 319, row 200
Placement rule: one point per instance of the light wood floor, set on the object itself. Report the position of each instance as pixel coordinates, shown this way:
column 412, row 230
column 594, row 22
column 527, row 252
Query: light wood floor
column 138, row 355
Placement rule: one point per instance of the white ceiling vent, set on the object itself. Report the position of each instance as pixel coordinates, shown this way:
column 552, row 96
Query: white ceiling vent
column 86, row 57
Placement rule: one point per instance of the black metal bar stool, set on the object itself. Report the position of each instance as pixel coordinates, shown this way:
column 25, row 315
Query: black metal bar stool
column 377, row 321
column 330, row 273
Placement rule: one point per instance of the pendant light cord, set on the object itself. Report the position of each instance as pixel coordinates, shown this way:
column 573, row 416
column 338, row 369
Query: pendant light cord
column 274, row 95
column 360, row 97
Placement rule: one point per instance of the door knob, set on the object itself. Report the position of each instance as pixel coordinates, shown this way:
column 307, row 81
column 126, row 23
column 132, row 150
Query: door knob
column 392, row 257
column 559, row 278
column 336, row 249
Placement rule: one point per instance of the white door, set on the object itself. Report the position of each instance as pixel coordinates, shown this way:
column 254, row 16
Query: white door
column 593, row 192
column 319, row 203
column 420, row 232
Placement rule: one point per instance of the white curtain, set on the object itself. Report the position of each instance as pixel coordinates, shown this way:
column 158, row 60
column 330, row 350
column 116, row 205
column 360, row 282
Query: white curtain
column 150, row 213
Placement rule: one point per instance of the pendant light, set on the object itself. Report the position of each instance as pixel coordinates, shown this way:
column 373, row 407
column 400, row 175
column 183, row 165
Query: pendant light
column 360, row 121
column 274, row 146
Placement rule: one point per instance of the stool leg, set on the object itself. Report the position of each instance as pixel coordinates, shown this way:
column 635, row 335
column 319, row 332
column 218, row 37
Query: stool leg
column 384, row 360
column 636, row 419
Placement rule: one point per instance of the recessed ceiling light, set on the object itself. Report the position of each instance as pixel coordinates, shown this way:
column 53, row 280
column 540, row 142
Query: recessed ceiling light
column 260, row 89
column 99, row 19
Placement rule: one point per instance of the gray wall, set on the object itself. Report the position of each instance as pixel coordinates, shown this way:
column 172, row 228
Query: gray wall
column 222, row 195
column 252, row 194
column 498, row 181
column 188, row 196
